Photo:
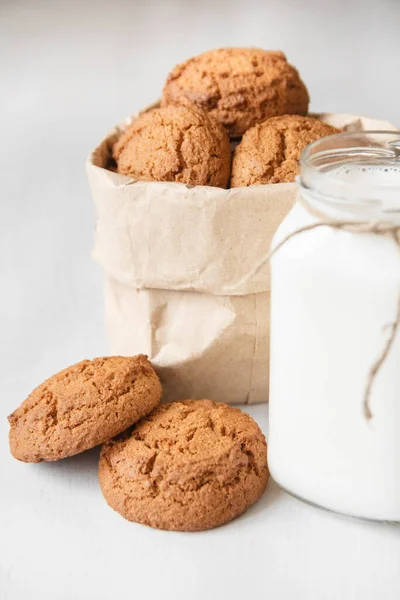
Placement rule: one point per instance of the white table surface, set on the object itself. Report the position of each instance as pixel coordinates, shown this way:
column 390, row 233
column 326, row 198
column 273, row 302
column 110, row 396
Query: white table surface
column 69, row 71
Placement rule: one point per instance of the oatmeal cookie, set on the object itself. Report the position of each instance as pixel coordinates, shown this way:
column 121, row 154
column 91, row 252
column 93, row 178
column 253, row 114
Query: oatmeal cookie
column 188, row 466
column 83, row 406
column 270, row 152
column 175, row 143
column 238, row 86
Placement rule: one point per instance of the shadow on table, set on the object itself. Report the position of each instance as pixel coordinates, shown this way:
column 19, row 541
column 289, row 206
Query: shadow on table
column 82, row 466
column 272, row 494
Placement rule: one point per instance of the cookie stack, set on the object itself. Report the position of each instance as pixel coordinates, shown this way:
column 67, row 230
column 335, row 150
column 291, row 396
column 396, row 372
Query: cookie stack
column 247, row 98
column 184, row 466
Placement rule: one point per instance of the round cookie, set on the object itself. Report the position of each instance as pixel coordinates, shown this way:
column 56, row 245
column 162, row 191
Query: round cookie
column 188, row 466
column 83, row 406
column 238, row 86
column 270, row 152
column 175, row 143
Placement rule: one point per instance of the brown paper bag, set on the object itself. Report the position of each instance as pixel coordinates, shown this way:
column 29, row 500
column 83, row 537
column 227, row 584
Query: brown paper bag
column 169, row 251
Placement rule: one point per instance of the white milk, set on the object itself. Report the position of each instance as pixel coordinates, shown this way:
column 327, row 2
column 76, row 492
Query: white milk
column 333, row 293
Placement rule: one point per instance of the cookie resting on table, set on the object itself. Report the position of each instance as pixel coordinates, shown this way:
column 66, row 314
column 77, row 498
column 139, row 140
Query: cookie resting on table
column 188, row 466
column 83, row 406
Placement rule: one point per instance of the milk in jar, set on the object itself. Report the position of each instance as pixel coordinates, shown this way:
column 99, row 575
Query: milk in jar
column 335, row 297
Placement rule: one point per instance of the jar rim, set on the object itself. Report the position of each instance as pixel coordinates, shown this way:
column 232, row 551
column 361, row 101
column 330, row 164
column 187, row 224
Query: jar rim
column 354, row 170
column 316, row 156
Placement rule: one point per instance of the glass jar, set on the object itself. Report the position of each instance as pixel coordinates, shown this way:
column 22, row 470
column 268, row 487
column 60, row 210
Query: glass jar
column 334, row 436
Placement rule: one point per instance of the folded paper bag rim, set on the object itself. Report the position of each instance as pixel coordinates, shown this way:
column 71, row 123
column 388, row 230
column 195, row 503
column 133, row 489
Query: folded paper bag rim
column 173, row 236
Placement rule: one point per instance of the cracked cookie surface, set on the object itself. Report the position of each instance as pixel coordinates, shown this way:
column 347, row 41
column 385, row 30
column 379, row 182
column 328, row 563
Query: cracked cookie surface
column 188, row 466
column 83, row 406
column 238, row 86
column 175, row 143
column 270, row 152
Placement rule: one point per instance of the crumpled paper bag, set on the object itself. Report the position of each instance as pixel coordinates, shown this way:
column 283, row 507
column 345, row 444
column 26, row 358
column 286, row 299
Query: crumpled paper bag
column 170, row 252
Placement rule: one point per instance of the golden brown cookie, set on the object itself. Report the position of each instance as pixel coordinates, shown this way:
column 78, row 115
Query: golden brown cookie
column 188, row 466
column 270, row 152
column 82, row 406
column 238, row 86
column 175, row 143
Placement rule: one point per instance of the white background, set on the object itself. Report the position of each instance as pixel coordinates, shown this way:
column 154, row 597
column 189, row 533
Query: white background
column 69, row 71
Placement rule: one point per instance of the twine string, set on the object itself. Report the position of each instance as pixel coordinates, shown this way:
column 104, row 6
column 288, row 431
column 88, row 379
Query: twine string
column 374, row 227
